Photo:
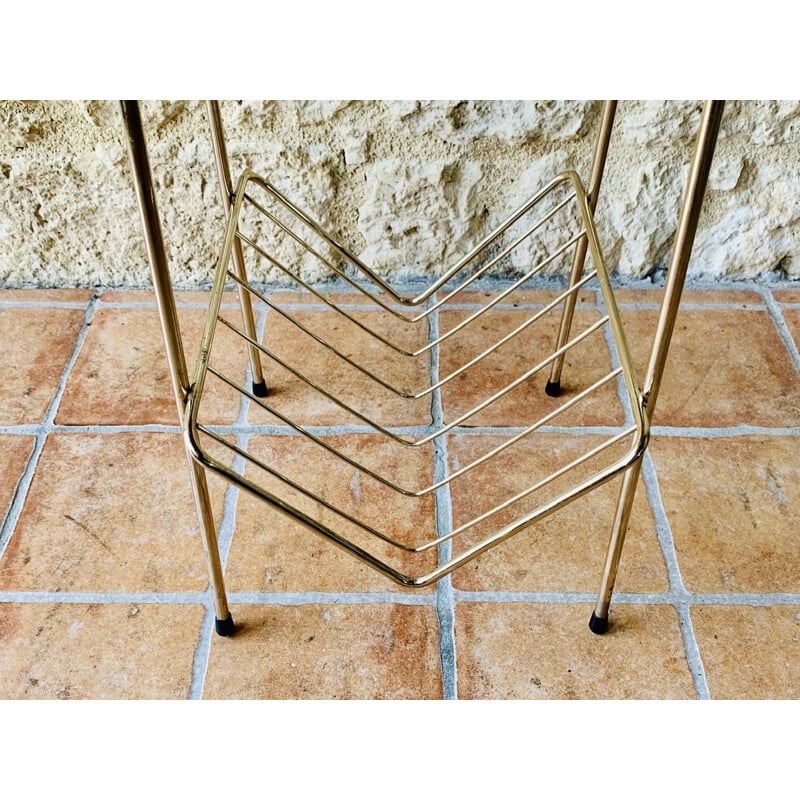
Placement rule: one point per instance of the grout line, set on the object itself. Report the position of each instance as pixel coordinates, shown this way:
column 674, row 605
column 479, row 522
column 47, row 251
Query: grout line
column 691, row 307
column 26, row 479
column 62, row 384
column 73, row 304
column 427, row 598
column 555, row 598
column 466, row 306
column 445, row 603
column 417, row 430
column 415, row 286
column 677, row 590
column 38, row 429
column 107, row 430
column 723, row 433
column 355, row 307
column 783, row 331
column 423, row 598
column 693, row 657
column 153, row 307
column 20, row 495
column 202, row 653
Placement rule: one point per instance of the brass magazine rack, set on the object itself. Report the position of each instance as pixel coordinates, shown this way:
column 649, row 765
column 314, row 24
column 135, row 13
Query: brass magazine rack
column 384, row 360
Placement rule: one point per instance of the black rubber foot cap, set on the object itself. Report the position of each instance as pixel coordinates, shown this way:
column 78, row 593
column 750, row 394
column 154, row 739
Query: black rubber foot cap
column 260, row 389
column 598, row 625
column 225, row 627
column 553, row 388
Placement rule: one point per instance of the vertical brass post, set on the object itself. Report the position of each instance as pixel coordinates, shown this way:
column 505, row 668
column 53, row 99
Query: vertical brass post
column 553, row 386
column 170, row 328
column 676, row 276
column 226, row 190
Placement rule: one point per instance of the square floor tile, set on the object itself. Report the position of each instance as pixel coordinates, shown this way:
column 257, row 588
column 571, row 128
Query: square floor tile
column 725, row 367
column 270, row 552
column 97, row 652
column 734, row 511
column 328, row 652
column 284, row 299
column 525, row 404
column 14, row 454
column 537, row 297
column 302, row 403
column 786, row 295
column 563, row 552
column 37, row 344
column 109, row 513
column 45, row 296
column 792, row 318
column 148, row 296
column 521, row 651
column 748, row 652
column 122, row 376
column 655, row 296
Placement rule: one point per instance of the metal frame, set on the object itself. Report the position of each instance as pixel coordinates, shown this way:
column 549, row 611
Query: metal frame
column 257, row 213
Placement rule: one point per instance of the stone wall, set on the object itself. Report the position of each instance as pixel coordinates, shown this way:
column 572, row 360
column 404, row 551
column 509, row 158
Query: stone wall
column 406, row 185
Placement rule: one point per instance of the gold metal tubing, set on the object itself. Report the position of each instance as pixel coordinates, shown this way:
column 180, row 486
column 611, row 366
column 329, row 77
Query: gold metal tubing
column 208, row 529
column 154, row 241
column 446, row 537
column 676, row 276
column 593, row 191
column 622, row 517
column 538, row 268
column 445, row 569
column 426, row 439
column 385, row 481
column 168, row 315
column 563, row 177
column 431, row 308
column 682, row 249
column 226, row 192
column 445, row 336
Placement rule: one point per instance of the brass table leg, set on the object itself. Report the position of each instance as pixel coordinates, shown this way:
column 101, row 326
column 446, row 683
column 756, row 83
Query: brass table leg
column 170, row 328
column 553, row 386
column 676, row 276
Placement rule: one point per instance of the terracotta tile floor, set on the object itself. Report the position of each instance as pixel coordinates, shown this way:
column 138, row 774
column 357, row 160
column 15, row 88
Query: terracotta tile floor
column 103, row 587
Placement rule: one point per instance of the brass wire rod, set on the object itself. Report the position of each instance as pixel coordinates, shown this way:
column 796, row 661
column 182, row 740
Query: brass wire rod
column 226, row 193
column 413, row 354
column 592, row 193
column 468, row 281
column 582, row 459
column 297, row 487
column 549, row 479
column 406, row 394
column 452, row 476
column 385, row 481
column 386, row 569
column 564, row 177
column 425, row 440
